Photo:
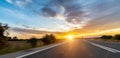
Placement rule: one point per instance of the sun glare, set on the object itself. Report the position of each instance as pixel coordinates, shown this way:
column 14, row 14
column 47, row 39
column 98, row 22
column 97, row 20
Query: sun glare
column 70, row 37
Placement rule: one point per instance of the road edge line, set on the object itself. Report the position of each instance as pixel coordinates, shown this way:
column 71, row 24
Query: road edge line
column 41, row 50
column 104, row 47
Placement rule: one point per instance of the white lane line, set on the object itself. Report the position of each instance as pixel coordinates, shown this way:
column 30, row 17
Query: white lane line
column 104, row 47
column 41, row 50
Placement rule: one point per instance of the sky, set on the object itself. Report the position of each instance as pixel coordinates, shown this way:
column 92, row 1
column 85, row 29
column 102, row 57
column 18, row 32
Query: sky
column 28, row 18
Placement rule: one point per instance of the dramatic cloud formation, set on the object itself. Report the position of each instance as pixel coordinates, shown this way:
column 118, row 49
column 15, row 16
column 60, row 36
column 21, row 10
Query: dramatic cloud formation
column 72, row 11
column 78, row 13
column 76, row 16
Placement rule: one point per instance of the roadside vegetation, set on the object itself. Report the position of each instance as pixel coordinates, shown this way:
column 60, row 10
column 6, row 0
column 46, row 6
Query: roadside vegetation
column 110, row 38
column 13, row 44
column 3, row 39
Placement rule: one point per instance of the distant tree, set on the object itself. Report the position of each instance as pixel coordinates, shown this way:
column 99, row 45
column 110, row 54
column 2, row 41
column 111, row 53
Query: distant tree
column 53, row 39
column 15, row 38
column 9, row 38
column 106, row 37
column 22, row 40
column 32, row 41
column 117, row 37
column 47, row 39
column 3, row 39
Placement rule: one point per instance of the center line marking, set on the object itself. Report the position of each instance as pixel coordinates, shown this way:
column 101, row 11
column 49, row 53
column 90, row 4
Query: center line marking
column 104, row 47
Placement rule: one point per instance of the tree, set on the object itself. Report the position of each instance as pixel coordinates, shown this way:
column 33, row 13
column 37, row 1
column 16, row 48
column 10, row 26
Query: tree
column 106, row 37
column 9, row 38
column 117, row 37
column 47, row 39
column 53, row 39
column 15, row 38
column 3, row 39
column 32, row 41
column 3, row 28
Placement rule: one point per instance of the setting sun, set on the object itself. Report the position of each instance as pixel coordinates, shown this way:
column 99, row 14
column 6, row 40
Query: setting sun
column 70, row 37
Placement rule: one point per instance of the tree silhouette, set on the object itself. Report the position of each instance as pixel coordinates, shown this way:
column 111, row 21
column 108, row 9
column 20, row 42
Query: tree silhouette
column 15, row 38
column 2, row 29
column 106, row 37
column 33, row 41
column 47, row 39
column 3, row 39
column 52, row 38
column 117, row 37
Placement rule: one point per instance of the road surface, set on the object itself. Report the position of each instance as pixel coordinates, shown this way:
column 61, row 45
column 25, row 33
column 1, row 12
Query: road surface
column 80, row 49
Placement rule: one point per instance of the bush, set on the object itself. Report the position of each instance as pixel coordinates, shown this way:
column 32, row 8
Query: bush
column 117, row 37
column 47, row 39
column 32, row 41
column 106, row 37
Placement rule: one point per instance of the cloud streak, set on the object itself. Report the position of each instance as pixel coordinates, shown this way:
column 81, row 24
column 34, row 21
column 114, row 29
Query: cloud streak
column 19, row 3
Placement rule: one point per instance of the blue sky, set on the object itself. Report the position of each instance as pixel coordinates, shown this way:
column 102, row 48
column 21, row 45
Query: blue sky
column 61, row 15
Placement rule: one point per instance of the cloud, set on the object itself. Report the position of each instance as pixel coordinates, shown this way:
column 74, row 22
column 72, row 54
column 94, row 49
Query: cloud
column 26, row 26
column 48, row 12
column 22, row 20
column 21, row 32
column 69, row 11
column 77, row 14
column 20, row 3
column 73, row 13
column 110, row 30
column 31, row 31
column 10, row 1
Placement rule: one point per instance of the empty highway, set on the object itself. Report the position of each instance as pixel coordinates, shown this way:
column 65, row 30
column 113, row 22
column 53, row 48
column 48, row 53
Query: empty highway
column 79, row 49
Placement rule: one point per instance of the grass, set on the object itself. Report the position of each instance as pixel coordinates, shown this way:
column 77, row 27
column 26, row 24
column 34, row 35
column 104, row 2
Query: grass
column 113, row 40
column 109, row 40
column 15, row 46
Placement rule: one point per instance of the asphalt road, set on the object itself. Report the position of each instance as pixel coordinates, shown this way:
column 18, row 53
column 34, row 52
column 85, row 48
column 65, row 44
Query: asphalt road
column 81, row 49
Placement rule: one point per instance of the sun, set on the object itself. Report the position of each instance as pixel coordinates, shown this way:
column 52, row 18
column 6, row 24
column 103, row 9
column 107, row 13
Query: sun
column 70, row 37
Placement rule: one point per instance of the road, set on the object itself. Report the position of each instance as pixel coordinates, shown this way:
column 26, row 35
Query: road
column 80, row 49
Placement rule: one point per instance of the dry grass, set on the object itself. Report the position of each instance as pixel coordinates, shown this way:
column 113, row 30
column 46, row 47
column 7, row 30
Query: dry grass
column 110, row 40
column 15, row 46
